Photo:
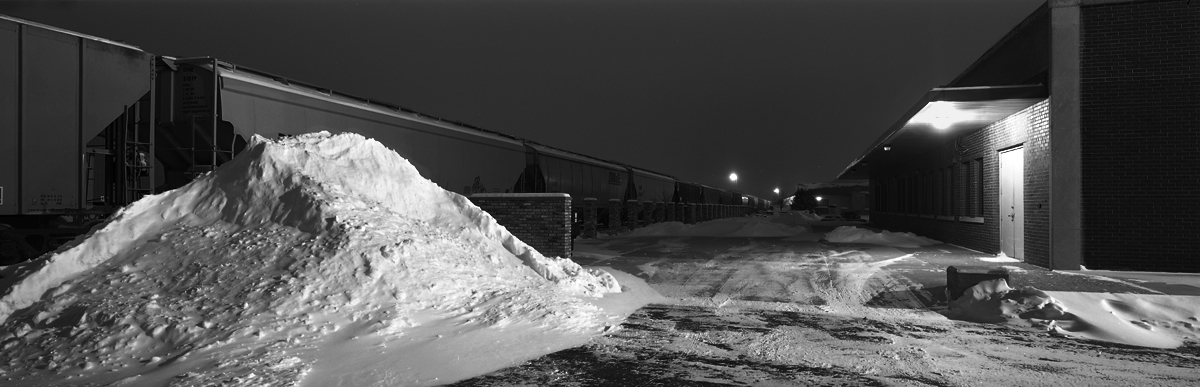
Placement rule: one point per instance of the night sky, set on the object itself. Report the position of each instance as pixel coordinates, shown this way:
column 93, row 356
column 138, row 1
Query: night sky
column 780, row 92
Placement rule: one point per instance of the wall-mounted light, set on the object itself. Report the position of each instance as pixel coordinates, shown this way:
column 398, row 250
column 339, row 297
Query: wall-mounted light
column 887, row 148
column 940, row 114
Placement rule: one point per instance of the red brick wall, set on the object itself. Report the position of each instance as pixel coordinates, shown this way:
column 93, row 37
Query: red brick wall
column 1028, row 128
column 1140, row 135
column 542, row 221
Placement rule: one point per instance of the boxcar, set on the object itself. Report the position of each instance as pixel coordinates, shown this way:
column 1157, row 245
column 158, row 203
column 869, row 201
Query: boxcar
column 653, row 187
column 456, row 156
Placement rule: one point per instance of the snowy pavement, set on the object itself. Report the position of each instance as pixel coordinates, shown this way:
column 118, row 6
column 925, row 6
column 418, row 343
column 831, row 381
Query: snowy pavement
column 323, row 260
column 798, row 311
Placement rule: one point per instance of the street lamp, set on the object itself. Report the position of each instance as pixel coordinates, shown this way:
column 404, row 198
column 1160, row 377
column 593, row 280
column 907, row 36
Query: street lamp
column 733, row 177
column 778, row 199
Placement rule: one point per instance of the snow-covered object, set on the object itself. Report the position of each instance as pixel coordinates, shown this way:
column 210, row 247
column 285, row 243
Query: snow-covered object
column 1135, row 319
column 293, row 245
column 852, row 234
column 993, row 301
column 729, row 227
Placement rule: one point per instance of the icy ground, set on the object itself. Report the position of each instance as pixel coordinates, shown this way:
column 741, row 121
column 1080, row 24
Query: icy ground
column 317, row 260
column 766, row 309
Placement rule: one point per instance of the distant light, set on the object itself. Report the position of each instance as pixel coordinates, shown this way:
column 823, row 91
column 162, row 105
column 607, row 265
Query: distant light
column 733, row 176
column 887, row 148
column 818, row 198
column 777, row 191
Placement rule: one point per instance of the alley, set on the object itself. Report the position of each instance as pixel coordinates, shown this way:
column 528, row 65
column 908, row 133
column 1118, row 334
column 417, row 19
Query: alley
column 782, row 311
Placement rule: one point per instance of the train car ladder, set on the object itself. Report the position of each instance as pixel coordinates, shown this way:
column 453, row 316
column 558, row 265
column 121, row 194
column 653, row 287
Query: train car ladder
column 206, row 153
column 137, row 147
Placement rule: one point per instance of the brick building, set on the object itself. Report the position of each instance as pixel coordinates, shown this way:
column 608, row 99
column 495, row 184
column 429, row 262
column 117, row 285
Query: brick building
column 1074, row 141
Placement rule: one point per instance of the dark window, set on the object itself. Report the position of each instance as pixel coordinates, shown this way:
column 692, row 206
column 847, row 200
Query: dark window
column 978, row 203
column 947, row 194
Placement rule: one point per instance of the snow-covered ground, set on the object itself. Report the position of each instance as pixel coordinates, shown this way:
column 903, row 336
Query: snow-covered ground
column 779, row 310
column 1135, row 319
column 316, row 260
column 326, row 260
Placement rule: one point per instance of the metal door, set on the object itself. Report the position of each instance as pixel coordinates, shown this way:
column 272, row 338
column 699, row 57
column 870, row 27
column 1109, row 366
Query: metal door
column 1012, row 202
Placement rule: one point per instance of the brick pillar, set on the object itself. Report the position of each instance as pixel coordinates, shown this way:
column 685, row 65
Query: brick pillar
column 688, row 213
column 541, row 220
column 708, row 212
column 631, row 214
column 589, row 218
column 614, row 216
column 670, row 212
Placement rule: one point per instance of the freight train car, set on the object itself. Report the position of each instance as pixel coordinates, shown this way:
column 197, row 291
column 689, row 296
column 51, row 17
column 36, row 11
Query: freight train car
column 88, row 125
column 550, row 169
column 687, row 192
column 74, row 133
column 208, row 108
column 647, row 186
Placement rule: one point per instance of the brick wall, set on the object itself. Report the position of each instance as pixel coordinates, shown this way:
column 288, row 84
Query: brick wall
column 952, row 215
column 1140, row 135
column 541, row 220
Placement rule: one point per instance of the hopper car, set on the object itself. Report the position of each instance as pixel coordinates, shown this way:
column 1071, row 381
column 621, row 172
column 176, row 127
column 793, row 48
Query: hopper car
column 88, row 125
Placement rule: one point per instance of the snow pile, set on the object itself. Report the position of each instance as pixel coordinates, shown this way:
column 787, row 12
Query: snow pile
column 318, row 258
column 729, row 227
column 797, row 218
column 994, row 302
column 1135, row 319
column 852, row 234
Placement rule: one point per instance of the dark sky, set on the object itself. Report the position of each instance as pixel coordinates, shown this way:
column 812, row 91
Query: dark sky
column 781, row 92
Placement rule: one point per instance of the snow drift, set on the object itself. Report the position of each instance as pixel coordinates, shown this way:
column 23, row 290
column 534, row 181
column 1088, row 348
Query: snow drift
column 728, row 227
column 293, row 257
column 1135, row 319
column 851, row 234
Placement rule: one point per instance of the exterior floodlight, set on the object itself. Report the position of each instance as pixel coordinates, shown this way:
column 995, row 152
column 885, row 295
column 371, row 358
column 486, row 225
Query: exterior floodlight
column 940, row 114
column 887, row 148
column 818, row 199
column 733, row 177
column 777, row 191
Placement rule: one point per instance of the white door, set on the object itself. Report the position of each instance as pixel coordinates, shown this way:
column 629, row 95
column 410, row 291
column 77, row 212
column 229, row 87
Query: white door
column 1012, row 202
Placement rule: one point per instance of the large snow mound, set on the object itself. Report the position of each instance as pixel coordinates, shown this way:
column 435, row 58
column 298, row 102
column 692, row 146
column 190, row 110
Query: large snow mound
column 851, row 234
column 1158, row 321
column 259, row 272
column 728, row 227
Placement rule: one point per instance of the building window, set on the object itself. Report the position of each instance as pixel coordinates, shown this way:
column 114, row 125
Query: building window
column 912, row 199
column 947, row 195
column 978, row 183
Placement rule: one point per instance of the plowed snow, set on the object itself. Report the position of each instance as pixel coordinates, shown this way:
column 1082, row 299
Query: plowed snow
column 315, row 260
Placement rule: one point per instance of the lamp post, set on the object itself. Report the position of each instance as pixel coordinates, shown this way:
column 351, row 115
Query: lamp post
column 733, row 177
column 778, row 199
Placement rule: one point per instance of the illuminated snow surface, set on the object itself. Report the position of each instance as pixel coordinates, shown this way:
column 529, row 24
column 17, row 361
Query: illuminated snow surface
column 1146, row 320
column 316, row 260
column 851, row 234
